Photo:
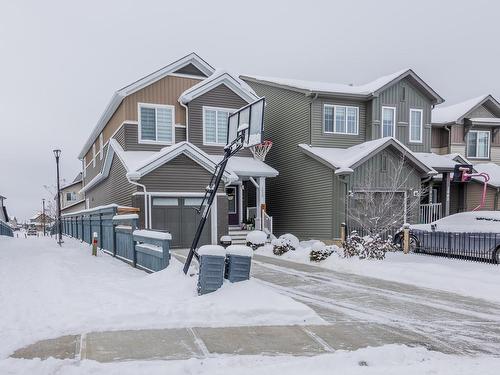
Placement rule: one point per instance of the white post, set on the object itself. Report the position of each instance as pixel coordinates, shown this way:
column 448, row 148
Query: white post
column 240, row 202
column 262, row 200
column 447, row 203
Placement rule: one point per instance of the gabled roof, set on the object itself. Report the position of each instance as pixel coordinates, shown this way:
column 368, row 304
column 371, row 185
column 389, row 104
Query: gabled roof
column 119, row 95
column 441, row 163
column 77, row 180
column 455, row 113
column 366, row 91
column 219, row 77
column 492, row 169
column 345, row 160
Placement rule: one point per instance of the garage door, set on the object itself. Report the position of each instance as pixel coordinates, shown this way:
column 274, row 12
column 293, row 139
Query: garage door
column 179, row 217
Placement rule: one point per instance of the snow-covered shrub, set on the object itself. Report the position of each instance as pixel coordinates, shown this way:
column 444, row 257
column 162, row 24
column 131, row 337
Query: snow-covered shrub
column 366, row 247
column 319, row 252
column 285, row 243
column 256, row 239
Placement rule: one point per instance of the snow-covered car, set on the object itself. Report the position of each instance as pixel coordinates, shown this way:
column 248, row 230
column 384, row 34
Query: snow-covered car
column 32, row 231
column 466, row 234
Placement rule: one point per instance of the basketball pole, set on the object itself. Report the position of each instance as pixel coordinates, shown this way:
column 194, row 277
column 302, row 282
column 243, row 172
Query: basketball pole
column 212, row 189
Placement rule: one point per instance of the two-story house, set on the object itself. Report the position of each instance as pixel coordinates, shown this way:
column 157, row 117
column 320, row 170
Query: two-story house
column 333, row 143
column 157, row 144
column 471, row 128
column 71, row 198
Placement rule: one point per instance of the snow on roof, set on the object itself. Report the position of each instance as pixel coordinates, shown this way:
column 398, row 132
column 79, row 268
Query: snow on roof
column 340, row 88
column 492, row 169
column 248, row 166
column 219, row 77
column 495, row 120
column 453, row 113
column 344, row 159
column 436, row 161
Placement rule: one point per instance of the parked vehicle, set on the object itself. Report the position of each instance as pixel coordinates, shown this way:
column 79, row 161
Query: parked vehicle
column 467, row 234
column 32, row 231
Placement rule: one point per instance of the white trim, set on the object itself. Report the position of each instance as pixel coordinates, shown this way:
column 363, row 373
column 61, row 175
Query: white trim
column 216, row 109
column 181, row 126
column 213, row 224
column 191, row 76
column 155, row 107
column 101, row 145
column 93, row 155
column 477, row 143
column 382, row 122
column 240, row 202
column 421, row 126
column 335, row 106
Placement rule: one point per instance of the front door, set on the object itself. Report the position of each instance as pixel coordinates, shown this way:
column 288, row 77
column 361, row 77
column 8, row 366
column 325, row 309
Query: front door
column 232, row 205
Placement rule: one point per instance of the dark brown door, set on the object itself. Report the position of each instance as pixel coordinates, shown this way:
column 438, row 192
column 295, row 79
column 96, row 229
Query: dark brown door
column 232, row 205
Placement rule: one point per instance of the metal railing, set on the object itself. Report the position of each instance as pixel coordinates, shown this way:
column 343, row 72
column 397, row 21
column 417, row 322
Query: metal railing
column 5, row 229
column 430, row 212
column 480, row 247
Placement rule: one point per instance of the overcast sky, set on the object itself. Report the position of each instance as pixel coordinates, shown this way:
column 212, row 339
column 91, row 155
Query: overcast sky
column 60, row 61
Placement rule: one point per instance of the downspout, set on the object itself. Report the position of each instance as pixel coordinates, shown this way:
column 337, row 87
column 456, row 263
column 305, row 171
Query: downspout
column 187, row 117
column 146, row 207
column 447, row 128
column 310, row 117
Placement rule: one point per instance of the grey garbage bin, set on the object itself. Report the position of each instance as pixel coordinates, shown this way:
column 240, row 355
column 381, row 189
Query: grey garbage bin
column 212, row 266
column 238, row 262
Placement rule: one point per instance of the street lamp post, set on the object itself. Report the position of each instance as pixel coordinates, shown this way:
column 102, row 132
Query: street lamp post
column 57, row 153
column 43, row 215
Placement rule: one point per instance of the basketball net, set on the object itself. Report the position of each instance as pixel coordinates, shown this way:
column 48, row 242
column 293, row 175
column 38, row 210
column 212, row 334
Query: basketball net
column 260, row 151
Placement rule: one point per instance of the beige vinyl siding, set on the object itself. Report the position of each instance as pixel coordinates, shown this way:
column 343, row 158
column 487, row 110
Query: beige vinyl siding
column 164, row 91
column 221, row 97
column 321, row 139
column 414, row 99
column 457, row 149
column 495, row 154
column 440, row 150
column 181, row 174
column 114, row 189
column 474, row 196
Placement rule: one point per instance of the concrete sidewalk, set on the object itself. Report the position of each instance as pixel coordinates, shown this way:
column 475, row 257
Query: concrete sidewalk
column 185, row 343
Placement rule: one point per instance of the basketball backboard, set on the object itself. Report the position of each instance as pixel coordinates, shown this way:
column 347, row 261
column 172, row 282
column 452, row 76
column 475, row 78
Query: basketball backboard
column 247, row 122
column 462, row 172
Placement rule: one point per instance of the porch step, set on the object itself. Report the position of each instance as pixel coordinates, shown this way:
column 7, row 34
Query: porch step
column 238, row 235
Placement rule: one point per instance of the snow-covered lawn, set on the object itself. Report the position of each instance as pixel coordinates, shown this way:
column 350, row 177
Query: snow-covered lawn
column 385, row 360
column 468, row 278
column 47, row 291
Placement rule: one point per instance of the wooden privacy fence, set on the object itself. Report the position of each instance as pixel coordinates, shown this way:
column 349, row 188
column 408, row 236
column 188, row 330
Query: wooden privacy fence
column 5, row 229
column 118, row 236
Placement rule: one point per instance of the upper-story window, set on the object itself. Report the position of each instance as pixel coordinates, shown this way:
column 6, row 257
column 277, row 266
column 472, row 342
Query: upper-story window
column 156, row 123
column 340, row 119
column 71, row 196
column 388, row 121
column 416, row 125
column 215, row 125
column 478, row 144
column 101, row 146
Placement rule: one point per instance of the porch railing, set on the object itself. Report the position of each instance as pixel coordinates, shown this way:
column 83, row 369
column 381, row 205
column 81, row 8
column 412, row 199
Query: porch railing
column 267, row 223
column 430, row 212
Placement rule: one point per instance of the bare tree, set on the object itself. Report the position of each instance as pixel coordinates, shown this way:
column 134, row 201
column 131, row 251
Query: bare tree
column 381, row 201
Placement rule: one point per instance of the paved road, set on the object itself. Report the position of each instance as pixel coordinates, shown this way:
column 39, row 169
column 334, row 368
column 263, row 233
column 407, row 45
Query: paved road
column 379, row 311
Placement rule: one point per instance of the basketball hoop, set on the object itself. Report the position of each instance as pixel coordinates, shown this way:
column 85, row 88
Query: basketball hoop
column 260, row 151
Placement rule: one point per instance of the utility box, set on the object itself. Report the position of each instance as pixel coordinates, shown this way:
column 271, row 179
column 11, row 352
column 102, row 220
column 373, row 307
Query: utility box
column 212, row 265
column 238, row 263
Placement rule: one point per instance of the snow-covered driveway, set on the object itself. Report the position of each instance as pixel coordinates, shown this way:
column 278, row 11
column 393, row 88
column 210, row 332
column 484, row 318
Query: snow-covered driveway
column 372, row 307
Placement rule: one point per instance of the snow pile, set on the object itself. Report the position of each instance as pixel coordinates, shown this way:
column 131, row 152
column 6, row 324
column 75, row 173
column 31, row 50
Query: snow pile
column 319, row 252
column 256, row 239
column 284, row 243
column 64, row 291
column 153, row 234
column 214, row 250
column 241, row 250
column 384, row 360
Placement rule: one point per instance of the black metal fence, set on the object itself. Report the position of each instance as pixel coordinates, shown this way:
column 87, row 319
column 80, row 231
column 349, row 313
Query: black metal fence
column 480, row 247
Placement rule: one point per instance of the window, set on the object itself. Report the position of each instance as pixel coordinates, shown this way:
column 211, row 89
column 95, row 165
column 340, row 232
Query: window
column 101, row 146
column 416, row 126
column 93, row 155
column 71, row 196
column 388, row 121
column 156, row 123
column 196, row 202
column 165, row 201
column 478, row 144
column 340, row 119
column 231, row 199
column 215, row 125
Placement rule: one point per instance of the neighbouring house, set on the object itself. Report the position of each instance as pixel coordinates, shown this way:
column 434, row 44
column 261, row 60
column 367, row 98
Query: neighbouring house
column 468, row 133
column 41, row 220
column 71, row 198
column 157, row 145
column 3, row 210
column 335, row 145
